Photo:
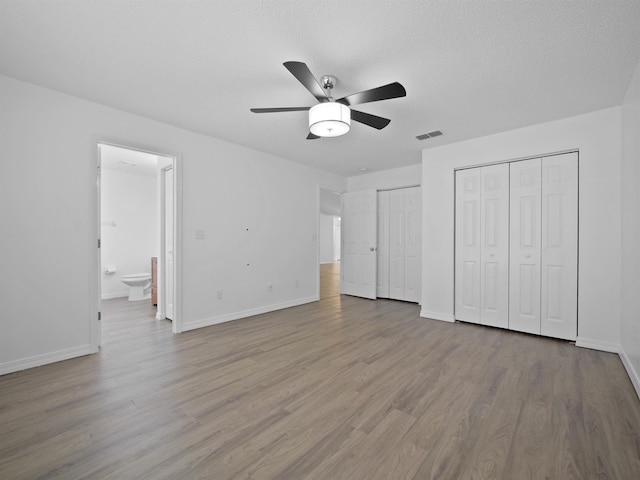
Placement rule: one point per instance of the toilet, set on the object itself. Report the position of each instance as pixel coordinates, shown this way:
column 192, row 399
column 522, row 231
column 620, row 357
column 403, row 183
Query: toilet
column 139, row 285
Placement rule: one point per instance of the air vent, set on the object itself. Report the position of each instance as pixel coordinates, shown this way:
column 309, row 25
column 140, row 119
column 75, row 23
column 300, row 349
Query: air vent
column 424, row 136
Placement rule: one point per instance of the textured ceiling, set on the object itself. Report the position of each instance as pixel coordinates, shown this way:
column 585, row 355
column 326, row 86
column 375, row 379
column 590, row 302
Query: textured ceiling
column 470, row 68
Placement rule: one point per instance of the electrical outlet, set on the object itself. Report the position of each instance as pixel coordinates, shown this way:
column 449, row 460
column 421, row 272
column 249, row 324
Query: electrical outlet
column 270, row 287
column 219, row 294
column 200, row 234
column 297, row 283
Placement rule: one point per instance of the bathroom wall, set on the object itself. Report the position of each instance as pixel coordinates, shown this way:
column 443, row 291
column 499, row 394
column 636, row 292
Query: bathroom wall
column 130, row 231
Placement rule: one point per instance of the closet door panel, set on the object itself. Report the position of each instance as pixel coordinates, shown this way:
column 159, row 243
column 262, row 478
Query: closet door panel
column 382, row 284
column 467, row 246
column 525, row 249
column 396, row 244
column 412, row 243
column 559, row 291
column 494, row 235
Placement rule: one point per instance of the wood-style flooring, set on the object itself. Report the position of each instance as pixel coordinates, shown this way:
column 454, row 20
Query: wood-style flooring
column 343, row 388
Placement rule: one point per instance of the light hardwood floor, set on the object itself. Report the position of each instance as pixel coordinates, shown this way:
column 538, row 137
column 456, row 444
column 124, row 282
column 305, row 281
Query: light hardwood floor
column 343, row 388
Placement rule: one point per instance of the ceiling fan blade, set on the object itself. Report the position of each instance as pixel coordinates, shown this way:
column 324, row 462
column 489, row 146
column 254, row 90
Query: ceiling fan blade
column 311, row 136
column 368, row 119
column 306, row 78
column 284, row 109
column 386, row 92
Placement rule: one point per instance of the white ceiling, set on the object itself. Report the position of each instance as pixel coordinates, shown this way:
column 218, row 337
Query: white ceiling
column 469, row 68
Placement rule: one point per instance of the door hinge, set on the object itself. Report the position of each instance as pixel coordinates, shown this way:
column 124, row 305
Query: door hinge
column 99, row 316
column 98, row 243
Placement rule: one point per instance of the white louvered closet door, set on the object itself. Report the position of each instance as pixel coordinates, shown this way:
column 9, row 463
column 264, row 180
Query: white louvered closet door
column 525, row 255
column 467, row 246
column 559, row 283
column 494, row 246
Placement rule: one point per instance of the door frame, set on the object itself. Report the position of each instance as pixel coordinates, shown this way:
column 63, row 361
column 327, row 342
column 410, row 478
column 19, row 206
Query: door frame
column 161, row 313
column 96, row 276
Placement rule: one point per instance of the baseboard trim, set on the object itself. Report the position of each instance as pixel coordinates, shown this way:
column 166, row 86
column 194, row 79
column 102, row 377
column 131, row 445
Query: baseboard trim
column 597, row 345
column 207, row 322
column 44, row 359
column 443, row 317
column 633, row 375
column 109, row 296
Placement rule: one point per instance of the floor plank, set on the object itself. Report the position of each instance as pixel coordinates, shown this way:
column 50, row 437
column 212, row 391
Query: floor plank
column 340, row 388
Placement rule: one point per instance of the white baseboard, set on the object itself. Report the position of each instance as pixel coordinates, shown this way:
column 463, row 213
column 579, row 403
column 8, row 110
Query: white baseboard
column 109, row 296
column 443, row 317
column 633, row 375
column 597, row 345
column 44, row 359
column 207, row 322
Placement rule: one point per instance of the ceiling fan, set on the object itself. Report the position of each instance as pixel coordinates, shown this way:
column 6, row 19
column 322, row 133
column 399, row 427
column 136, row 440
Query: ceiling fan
column 332, row 118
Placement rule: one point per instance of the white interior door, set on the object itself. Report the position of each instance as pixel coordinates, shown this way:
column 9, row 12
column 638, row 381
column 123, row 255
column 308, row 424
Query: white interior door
column 169, row 265
column 494, row 241
column 359, row 258
column 559, row 293
column 396, row 244
column 412, row 243
column 467, row 246
column 382, row 287
column 525, row 249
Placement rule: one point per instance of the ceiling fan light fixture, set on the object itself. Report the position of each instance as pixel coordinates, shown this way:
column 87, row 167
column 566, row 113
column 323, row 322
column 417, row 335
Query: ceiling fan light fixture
column 329, row 119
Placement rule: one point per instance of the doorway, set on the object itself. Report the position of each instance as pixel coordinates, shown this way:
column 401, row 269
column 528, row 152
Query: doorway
column 137, row 229
column 329, row 242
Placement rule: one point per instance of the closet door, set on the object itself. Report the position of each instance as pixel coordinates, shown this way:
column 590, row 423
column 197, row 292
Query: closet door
column 525, row 251
column 494, row 246
column 396, row 244
column 467, row 246
column 412, row 243
column 559, row 294
column 382, row 287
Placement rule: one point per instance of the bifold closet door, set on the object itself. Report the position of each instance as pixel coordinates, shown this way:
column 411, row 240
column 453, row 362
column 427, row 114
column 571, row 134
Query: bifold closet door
column 525, row 251
column 494, row 245
column 412, row 243
column 482, row 245
column 467, row 246
column 559, row 284
column 396, row 244
column 399, row 244
column 382, row 284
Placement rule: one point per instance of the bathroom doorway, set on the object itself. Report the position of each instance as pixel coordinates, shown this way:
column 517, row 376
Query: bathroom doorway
column 137, row 225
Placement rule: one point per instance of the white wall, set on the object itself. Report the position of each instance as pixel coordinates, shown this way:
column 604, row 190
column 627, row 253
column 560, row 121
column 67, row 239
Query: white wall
column 597, row 136
column 630, row 252
column 130, row 230
column 259, row 213
column 410, row 176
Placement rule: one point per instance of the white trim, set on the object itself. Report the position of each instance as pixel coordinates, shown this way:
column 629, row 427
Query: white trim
column 109, row 296
column 598, row 345
column 44, row 359
column 443, row 317
column 207, row 322
column 633, row 375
